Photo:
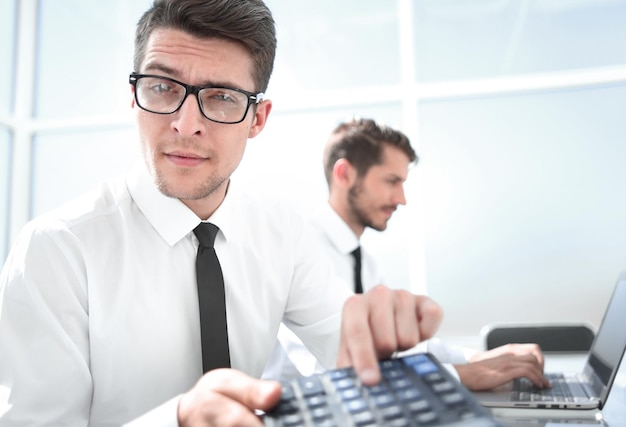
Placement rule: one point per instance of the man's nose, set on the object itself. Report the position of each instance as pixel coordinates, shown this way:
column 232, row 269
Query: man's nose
column 189, row 119
column 399, row 198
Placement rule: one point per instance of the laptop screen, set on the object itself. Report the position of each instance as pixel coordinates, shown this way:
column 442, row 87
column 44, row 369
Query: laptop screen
column 610, row 342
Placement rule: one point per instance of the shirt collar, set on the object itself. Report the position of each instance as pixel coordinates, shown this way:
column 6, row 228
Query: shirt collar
column 336, row 229
column 170, row 217
column 222, row 217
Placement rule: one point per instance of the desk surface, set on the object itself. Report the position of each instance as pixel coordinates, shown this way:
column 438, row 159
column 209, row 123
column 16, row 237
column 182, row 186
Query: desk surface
column 613, row 414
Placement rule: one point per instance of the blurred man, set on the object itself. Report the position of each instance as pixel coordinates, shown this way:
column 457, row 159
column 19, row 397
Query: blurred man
column 366, row 164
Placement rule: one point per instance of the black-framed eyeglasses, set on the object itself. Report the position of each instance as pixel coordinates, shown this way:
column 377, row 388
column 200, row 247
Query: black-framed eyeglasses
column 163, row 95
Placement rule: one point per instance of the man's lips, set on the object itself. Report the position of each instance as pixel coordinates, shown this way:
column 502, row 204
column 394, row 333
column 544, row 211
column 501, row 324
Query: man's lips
column 389, row 210
column 185, row 159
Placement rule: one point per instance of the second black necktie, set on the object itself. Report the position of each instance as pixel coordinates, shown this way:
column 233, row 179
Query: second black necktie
column 212, row 301
column 358, row 286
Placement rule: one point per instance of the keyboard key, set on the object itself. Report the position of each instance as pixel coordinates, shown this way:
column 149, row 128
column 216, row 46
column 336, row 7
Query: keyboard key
column 342, row 383
column 363, row 419
column 383, row 400
column 418, row 406
column 409, row 394
column 392, row 412
column 453, row 399
column 356, row 405
column 427, row 418
column 316, row 401
column 311, row 387
column 443, row 387
column 399, row 422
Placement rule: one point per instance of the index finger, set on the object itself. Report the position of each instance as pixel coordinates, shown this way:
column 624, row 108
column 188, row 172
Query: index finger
column 356, row 347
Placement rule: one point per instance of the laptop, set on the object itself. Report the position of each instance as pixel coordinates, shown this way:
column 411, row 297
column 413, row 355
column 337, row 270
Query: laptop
column 588, row 389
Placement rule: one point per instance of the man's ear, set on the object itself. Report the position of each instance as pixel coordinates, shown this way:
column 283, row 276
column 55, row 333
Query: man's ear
column 344, row 173
column 132, row 96
column 262, row 112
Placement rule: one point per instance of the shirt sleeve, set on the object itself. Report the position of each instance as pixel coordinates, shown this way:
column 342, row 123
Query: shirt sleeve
column 316, row 299
column 44, row 337
column 448, row 353
column 45, row 376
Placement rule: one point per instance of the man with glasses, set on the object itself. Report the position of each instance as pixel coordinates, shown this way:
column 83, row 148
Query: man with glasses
column 99, row 316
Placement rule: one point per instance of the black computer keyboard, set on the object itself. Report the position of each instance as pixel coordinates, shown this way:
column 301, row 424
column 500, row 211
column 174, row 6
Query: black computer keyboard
column 415, row 391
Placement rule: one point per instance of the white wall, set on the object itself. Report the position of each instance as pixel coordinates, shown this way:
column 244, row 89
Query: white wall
column 525, row 214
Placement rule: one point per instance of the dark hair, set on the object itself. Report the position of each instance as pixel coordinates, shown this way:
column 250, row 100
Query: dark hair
column 361, row 142
column 248, row 22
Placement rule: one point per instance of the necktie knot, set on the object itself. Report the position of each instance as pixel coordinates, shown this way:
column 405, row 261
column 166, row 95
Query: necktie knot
column 206, row 232
column 357, row 253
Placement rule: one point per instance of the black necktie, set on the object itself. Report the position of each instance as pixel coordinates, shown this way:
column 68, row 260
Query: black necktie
column 212, row 301
column 358, row 286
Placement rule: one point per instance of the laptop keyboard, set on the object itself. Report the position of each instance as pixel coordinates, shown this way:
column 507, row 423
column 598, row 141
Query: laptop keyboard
column 415, row 391
column 525, row 391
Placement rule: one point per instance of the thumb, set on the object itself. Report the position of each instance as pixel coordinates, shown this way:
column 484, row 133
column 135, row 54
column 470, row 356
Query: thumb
column 265, row 394
column 250, row 392
column 429, row 315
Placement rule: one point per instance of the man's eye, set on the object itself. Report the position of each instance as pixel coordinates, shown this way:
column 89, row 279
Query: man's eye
column 220, row 96
column 223, row 97
column 161, row 88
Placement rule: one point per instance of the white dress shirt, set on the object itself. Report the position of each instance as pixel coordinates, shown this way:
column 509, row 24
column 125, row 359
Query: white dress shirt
column 339, row 241
column 99, row 315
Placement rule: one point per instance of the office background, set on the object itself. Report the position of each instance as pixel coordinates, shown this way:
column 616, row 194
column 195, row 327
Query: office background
column 517, row 108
